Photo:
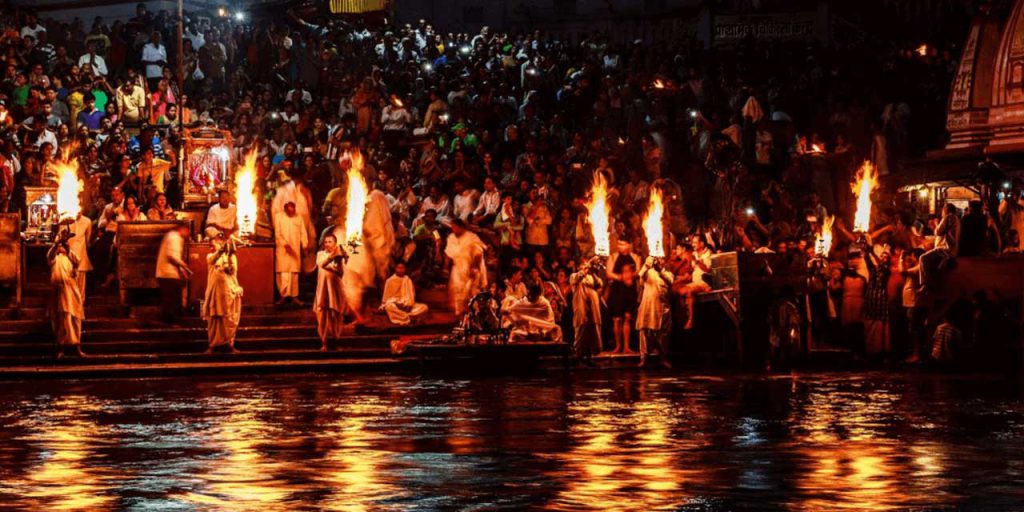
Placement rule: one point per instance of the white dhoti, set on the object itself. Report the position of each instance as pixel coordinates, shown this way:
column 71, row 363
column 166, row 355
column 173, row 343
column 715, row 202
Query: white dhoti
column 288, row 284
column 67, row 329
column 399, row 300
column 66, row 307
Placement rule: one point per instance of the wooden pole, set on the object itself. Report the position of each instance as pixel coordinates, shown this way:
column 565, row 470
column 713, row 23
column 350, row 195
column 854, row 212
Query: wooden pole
column 181, row 101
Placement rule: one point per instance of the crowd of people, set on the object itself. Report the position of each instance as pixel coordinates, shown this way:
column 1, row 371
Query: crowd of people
column 479, row 151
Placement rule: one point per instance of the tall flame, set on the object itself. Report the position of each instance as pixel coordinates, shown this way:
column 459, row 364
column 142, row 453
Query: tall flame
column 245, row 195
column 652, row 224
column 865, row 183
column 823, row 240
column 356, row 200
column 69, row 187
column 597, row 210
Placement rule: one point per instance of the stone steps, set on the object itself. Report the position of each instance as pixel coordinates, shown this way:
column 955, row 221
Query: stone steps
column 233, row 366
column 244, row 355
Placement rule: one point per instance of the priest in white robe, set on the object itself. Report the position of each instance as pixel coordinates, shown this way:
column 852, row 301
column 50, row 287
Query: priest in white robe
column 586, row 307
column 399, row 299
column 299, row 194
column 290, row 241
column 533, row 319
column 222, row 218
column 66, row 308
column 79, row 246
column 378, row 233
column 468, row 273
column 654, row 316
column 329, row 303
column 222, row 304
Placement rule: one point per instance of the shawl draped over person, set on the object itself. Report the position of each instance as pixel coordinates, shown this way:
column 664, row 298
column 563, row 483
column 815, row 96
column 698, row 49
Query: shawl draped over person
column 329, row 302
column 371, row 260
column 79, row 246
column 291, row 193
column 379, row 233
column 66, row 307
column 222, row 304
column 586, row 307
column 533, row 321
column 468, row 273
column 654, row 311
column 289, row 231
column 399, row 300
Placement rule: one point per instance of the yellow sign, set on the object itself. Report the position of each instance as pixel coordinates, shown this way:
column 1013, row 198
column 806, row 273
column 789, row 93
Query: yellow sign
column 357, row 6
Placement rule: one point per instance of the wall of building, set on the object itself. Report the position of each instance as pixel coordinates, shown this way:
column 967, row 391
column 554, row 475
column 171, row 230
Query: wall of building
column 110, row 10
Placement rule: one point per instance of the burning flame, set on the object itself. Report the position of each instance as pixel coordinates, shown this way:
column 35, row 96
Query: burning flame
column 245, row 195
column 922, row 50
column 652, row 224
column 659, row 84
column 397, row 102
column 866, row 182
column 68, row 189
column 357, row 194
column 823, row 241
column 815, row 148
column 597, row 209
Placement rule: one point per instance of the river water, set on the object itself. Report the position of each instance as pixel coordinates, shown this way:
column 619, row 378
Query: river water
column 579, row 441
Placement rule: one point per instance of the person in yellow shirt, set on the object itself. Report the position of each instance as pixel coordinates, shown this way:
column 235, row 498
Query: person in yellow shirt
column 131, row 102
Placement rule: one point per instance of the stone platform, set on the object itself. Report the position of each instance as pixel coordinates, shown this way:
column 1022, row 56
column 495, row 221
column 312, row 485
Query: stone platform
column 129, row 341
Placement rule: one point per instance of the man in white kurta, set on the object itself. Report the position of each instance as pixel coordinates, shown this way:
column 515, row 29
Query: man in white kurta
column 66, row 309
column 399, row 300
column 222, row 217
column 533, row 319
column 290, row 241
column 79, row 246
column 468, row 275
column 654, row 316
column 329, row 302
column 586, row 309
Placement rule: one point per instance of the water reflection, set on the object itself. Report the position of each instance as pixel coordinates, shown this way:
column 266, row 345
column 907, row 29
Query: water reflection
column 608, row 441
column 64, row 473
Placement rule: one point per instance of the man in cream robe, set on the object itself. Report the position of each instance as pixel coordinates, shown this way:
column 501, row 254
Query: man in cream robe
column 468, row 273
column 294, row 192
column 329, row 303
column 66, row 309
column 533, row 319
column 399, row 300
column 222, row 217
column 79, row 246
column 222, row 303
column 586, row 308
column 654, row 316
column 290, row 241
